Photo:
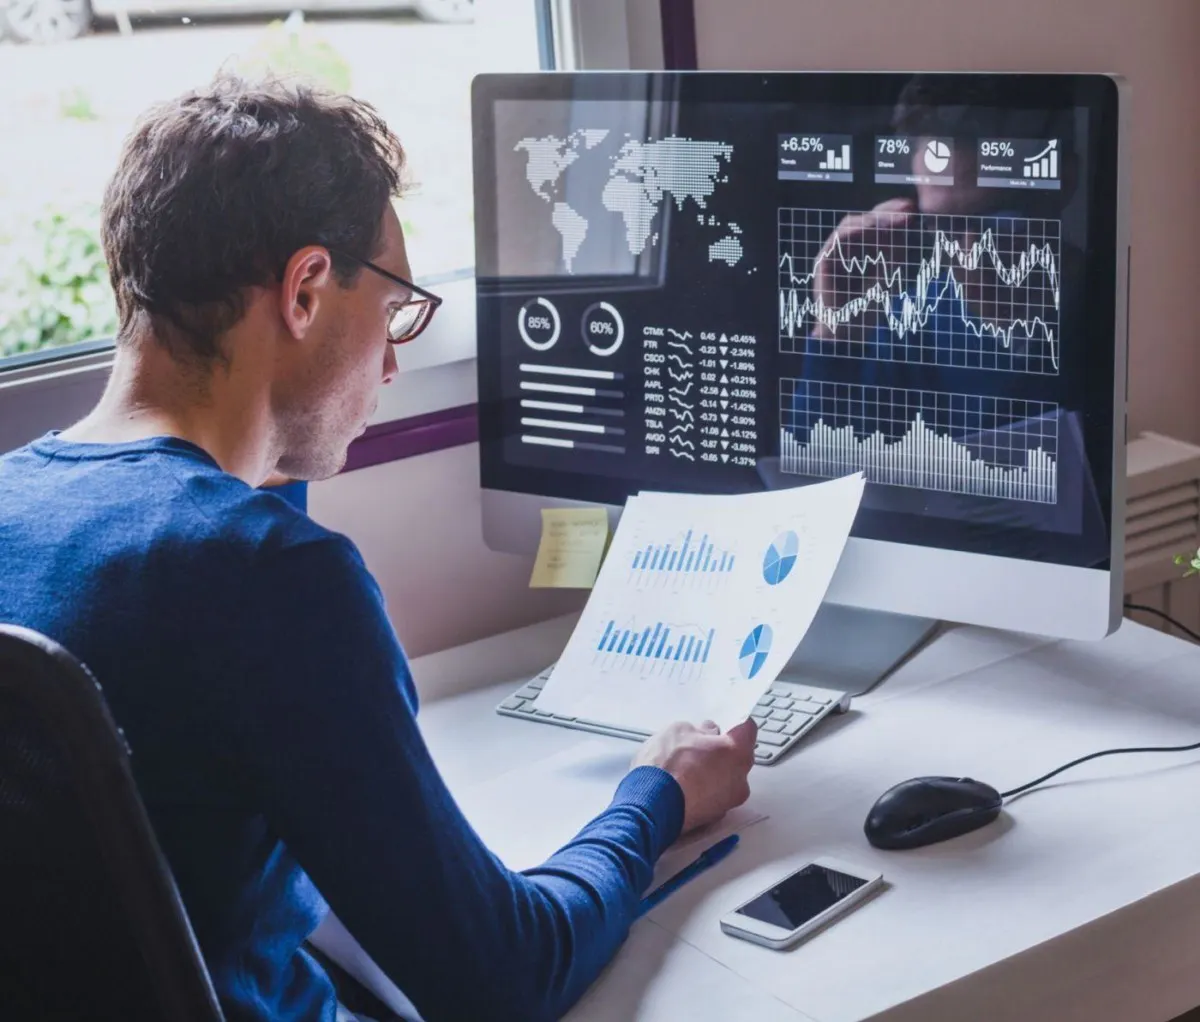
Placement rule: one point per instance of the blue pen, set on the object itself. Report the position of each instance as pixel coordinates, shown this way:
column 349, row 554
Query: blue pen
column 709, row 857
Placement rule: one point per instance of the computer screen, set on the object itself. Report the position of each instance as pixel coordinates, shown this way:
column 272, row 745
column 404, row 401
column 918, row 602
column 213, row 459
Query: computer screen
column 725, row 282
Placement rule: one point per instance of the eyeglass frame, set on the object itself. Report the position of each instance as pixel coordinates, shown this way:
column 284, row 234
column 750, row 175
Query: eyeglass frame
column 423, row 296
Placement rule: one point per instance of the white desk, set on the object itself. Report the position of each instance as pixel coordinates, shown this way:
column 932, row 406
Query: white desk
column 1081, row 903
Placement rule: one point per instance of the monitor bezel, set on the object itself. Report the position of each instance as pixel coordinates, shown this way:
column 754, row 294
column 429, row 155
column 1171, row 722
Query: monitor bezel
column 1087, row 600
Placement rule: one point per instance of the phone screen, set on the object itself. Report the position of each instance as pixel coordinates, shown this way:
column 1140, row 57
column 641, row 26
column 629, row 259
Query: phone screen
column 802, row 896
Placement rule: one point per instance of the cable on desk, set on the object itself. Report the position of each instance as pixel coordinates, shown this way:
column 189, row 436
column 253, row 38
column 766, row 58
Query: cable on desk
column 1194, row 636
column 1097, row 755
column 1117, row 752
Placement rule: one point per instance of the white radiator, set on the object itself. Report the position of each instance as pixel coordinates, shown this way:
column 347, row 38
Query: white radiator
column 1162, row 520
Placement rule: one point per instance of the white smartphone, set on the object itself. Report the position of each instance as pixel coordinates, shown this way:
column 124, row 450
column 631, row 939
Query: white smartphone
column 801, row 903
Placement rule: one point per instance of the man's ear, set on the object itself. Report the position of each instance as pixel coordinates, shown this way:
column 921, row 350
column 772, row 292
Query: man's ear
column 306, row 281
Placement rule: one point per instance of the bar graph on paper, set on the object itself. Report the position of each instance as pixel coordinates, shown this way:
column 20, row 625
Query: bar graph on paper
column 689, row 560
column 661, row 648
column 956, row 443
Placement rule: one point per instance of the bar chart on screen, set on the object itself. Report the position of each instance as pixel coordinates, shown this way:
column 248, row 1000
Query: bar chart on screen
column 668, row 649
column 688, row 560
column 1003, row 448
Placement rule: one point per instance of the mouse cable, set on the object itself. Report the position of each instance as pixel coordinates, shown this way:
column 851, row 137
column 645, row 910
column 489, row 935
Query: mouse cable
column 1097, row 755
column 1117, row 752
column 1194, row 636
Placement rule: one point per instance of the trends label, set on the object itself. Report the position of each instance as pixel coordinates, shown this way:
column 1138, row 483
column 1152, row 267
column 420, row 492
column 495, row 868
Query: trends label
column 815, row 157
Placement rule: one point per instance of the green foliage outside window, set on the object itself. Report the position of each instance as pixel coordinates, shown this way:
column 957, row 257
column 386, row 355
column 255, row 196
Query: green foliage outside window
column 294, row 50
column 54, row 290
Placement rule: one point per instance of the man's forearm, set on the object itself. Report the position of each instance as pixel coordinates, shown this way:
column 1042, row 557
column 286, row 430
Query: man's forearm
column 529, row 946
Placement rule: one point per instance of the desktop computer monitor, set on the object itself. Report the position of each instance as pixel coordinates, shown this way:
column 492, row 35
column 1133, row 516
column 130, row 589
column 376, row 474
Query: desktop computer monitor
column 723, row 282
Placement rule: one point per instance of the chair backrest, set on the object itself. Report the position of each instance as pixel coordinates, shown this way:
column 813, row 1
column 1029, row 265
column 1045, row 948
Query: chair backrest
column 91, row 923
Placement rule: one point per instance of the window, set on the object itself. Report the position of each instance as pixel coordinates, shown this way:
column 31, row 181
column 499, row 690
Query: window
column 75, row 75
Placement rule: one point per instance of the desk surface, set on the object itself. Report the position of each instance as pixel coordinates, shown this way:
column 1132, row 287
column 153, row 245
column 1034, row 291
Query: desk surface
column 1081, row 902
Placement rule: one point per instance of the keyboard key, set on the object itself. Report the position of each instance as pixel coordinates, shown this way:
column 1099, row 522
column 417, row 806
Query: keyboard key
column 771, row 738
column 528, row 692
column 824, row 700
column 525, row 708
column 783, row 715
column 766, row 701
column 782, row 704
column 539, row 682
column 808, row 708
column 780, row 690
column 543, row 713
column 773, row 725
column 512, row 703
column 793, row 727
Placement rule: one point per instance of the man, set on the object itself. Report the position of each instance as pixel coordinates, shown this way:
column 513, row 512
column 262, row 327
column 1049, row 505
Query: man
column 260, row 273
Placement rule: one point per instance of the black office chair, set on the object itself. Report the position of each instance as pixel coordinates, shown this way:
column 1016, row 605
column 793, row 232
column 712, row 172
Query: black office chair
column 91, row 924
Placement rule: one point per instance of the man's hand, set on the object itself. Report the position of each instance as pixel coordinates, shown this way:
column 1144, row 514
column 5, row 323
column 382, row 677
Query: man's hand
column 711, row 768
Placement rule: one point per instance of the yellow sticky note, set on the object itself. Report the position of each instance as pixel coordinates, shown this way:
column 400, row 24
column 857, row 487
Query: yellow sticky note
column 572, row 547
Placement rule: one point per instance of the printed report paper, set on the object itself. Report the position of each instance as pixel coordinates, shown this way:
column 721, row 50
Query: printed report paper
column 700, row 604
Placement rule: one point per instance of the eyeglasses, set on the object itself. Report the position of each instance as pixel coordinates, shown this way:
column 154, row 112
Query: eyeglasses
column 408, row 320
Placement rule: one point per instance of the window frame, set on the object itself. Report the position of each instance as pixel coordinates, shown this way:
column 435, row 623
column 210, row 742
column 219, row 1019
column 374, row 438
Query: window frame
column 436, row 385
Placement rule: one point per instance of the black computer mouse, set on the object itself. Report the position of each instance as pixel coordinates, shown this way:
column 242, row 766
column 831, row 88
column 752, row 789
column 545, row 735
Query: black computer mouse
column 927, row 810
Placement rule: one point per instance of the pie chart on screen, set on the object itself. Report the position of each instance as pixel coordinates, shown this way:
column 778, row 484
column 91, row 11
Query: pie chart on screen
column 755, row 650
column 937, row 156
column 780, row 558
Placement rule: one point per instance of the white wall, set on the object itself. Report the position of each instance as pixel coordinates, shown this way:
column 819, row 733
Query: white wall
column 644, row 23
column 417, row 523
column 1155, row 44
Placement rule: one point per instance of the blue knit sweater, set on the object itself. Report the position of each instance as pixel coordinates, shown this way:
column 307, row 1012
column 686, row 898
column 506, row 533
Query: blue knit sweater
column 246, row 652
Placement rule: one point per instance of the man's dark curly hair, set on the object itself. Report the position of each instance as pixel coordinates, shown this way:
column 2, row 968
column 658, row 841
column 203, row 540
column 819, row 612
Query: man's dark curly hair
column 216, row 190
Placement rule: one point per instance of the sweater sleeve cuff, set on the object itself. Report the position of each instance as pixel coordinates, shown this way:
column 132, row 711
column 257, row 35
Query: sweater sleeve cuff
column 658, row 793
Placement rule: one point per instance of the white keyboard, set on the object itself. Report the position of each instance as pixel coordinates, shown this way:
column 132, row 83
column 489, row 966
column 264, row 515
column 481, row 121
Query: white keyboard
column 786, row 713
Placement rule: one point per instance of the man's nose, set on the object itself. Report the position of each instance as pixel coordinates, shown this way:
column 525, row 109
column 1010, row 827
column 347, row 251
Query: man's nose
column 390, row 369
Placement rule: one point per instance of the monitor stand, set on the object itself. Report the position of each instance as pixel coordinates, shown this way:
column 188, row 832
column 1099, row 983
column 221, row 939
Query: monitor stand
column 853, row 650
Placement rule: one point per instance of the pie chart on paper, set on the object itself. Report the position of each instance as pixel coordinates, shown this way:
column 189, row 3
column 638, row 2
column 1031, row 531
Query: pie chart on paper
column 755, row 650
column 937, row 156
column 780, row 558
